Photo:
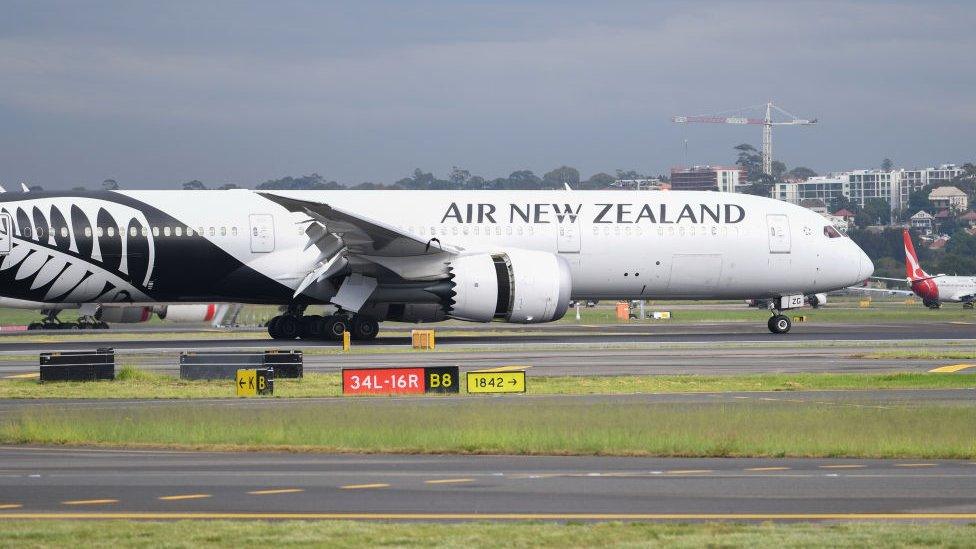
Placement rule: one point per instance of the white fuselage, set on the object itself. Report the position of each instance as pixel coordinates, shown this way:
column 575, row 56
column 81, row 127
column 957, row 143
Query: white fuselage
column 618, row 244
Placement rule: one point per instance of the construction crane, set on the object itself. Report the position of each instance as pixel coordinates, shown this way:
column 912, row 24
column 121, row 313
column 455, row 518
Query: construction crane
column 767, row 123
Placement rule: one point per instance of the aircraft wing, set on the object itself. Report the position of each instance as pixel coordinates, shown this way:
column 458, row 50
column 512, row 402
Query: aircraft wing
column 879, row 290
column 345, row 238
column 902, row 280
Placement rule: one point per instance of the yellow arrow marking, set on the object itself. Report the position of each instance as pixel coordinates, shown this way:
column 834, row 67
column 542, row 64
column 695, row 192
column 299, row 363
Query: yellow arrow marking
column 184, row 496
column 449, row 481
column 10, row 506
column 916, row 465
column 842, row 466
column 688, row 471
column 768, row 469
column 952, row 368
column 23, row 376
column 279, row 491
column 361, row 486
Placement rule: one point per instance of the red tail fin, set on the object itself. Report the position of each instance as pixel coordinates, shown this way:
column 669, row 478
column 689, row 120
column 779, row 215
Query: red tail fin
column 913, row 270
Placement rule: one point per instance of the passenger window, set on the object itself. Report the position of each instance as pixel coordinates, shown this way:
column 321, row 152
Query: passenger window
column 88, row 232
column 133, row 231
column 178, row 231
column 223, row 231
column 233, row 231
column 166, row 231
column 111, row 231
column 831, row 232
column 213, row 232
column 145, row 231
column 64, row 232
column 189, row 231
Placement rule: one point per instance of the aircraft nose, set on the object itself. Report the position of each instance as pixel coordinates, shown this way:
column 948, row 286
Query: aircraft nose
column 866, row 266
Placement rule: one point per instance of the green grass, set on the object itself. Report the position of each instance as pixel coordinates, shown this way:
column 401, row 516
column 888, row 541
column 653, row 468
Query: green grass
column 351, row 534
column 921, row 355
column 528, row 426
column 853, row 314
column 135, row 383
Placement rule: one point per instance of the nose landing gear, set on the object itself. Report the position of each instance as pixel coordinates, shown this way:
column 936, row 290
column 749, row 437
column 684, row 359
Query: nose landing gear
column 779, row 323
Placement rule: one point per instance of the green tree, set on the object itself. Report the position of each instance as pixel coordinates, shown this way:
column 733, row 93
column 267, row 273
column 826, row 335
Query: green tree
column 598, row 181
column 561, row 176
column 841, row 202
column 887, row 164
column 459, row 176
column 110, row 185
column 227, row 187
column 751, row 161
column 878, row 210
column 801, row 172
column 195, row 185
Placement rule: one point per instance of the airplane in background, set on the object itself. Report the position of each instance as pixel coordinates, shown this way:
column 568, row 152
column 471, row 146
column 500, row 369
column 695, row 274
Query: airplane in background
column 99, row 316
column 933, row 289
column 416, row 256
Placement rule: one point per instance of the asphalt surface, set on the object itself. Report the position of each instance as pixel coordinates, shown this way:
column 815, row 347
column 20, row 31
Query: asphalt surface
column 70, row 483
column 720, row 348
column 494, row 335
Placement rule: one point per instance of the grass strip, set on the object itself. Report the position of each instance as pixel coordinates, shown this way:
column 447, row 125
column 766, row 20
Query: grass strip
column 520, row 534
column 133, row 382
column 540, row 426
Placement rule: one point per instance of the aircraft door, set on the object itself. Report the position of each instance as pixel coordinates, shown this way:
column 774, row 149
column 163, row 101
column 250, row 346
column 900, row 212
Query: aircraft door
column 778, row 226
column 262, row 233
column 568, row 238
column 6, row 233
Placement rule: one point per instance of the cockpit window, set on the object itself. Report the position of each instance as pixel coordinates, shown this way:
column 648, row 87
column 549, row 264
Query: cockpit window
column 831, row 232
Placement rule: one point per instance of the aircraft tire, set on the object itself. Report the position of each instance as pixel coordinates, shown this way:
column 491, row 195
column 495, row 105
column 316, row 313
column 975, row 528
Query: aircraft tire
column 364, row 328
column 273, row 327
column 779, row 324
column 334, row 326
column 312, row 327
column 289, row 327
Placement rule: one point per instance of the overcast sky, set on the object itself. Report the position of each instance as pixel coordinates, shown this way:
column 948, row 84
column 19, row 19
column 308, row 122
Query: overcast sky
column 155, row 95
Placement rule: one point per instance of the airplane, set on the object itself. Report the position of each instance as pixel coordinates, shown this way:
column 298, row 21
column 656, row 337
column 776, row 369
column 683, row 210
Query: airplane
column 98, row 316
column 416, row 256
column 934, row 290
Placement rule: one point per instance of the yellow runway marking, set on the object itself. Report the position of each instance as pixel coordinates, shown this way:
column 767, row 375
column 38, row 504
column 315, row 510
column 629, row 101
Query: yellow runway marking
column 277, row 491
column 506, row 369
column 842, row 466
column 23, row 376
column 916, row 465
column 10, row 506
column 491, row 516
column 768, row 469
column 449, row 481
column 952, row 368
column 689, row 471
column 359, row 486
column 184, row 496
column 89, row 501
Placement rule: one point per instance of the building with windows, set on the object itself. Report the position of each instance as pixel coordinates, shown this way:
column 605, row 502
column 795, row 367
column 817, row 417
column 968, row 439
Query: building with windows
column 950, row 198
column 707, row 178
column 922, row 221
column 859, row 186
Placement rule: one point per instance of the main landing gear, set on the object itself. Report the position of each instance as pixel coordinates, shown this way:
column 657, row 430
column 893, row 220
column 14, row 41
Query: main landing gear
column 295, row 325
column 779, row 323
column 52, row 322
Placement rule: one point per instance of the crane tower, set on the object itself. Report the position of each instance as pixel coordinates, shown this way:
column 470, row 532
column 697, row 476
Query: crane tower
column 767, row 123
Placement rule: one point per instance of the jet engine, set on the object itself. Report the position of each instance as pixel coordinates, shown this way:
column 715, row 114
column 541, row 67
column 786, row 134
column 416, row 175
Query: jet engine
column 123, row 314
column 521, row 286
column 203, row 312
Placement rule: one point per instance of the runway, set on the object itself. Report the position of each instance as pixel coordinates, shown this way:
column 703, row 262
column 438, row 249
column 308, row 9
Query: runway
column 717, row 349
column 493, row 335
column 67, row 482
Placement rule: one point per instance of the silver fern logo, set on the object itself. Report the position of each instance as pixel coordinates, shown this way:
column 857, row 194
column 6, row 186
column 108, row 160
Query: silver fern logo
column 98, row 251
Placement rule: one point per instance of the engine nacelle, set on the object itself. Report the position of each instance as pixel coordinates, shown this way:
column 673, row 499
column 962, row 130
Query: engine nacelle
column 123, row 314
column 522, row 286
column 202, row 312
